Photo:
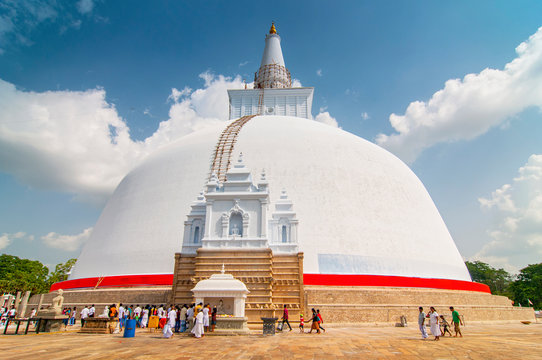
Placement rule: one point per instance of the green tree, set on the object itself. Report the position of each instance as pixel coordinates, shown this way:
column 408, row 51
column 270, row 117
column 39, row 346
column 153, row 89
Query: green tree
column 61, row 271
column 498, row 280
column 528, row 286
column 22, row 275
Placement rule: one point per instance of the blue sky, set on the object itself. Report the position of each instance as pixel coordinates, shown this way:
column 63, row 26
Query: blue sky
column 85, row 85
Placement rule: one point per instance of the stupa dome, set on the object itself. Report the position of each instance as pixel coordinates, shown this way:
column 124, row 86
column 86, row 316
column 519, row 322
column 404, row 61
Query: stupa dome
column 361, row 210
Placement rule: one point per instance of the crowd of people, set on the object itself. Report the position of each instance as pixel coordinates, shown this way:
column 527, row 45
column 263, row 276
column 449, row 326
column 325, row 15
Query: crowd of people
column 438, row 324
column 194, row 318
column 199, row 318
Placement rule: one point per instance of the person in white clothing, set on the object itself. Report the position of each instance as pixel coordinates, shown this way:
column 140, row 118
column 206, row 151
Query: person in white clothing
column 84, row 315
column 433, row 322
column 91, row 311
column 172, row 316
column 198, row 325
column 206, row 318
column 145, row 317
column 421, row 323
column 137, row 315
column 121, row 316
column 161, row 312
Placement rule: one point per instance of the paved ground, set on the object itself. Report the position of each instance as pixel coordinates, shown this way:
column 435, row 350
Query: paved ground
column 505, row 341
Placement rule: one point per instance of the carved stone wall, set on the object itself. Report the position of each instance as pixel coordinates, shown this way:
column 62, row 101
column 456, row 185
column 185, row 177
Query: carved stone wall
column 273, row 281
column 380, row 305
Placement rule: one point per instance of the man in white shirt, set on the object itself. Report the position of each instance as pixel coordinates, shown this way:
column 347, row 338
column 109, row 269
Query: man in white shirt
column 91, row 311
column 121, row 316
column 84, row 315
column 172, row 316
column 161, row 312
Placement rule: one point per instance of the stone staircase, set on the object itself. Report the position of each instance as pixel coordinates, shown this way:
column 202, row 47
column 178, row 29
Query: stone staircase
column 273, row 280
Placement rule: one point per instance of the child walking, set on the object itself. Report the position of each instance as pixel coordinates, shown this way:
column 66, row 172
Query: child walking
column 301, row 324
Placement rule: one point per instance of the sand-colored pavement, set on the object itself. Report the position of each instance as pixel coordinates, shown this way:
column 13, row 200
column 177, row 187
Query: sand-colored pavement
column 503, row 341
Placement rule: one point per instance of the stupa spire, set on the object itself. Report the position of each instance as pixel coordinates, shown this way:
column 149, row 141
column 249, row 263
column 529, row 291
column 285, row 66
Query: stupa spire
column 273, row 30
column 272, row 72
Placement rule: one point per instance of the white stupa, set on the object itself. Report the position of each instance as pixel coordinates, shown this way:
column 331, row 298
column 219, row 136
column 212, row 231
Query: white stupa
column 356, row 211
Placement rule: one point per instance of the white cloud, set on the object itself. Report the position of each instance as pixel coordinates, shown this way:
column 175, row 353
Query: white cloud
column 241, row 64
column 85, row 6
column 7, row 239
column 517, row 229
column 326, row 118
column 194, row 110
column 319, row 72
column 176, row 94
column 365, row 116
column 4, row 241
column 72, row 141
column 66, row 242
column 76, row 142
column 467, row 108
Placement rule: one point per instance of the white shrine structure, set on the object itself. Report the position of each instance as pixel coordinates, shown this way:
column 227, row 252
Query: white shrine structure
column 351, row 237
column 233, row 215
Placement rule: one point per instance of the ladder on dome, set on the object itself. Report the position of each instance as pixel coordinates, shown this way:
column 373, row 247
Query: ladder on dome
column 224, row 148
column 99, row 282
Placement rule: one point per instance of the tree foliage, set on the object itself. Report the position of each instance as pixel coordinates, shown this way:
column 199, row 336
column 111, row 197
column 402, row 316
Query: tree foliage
column 498, row 280
column 61, row 272
column 23, row 275
column 528, row 286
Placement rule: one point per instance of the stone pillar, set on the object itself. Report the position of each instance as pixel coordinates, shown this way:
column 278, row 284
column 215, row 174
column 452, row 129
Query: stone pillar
column 208, row 218
column 22, row 308
column 239, row 306
column 17, row 300
column 40, row 302
column 263, row 219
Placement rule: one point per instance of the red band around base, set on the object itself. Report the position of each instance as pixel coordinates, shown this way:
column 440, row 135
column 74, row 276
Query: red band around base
column 308, row 279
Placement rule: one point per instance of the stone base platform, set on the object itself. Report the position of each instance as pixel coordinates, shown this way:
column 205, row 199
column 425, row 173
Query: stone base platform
column 51, row 323
column 104, row 297
column 386, row 305
column 231, row 326
column 338, row 304
column 99, row 326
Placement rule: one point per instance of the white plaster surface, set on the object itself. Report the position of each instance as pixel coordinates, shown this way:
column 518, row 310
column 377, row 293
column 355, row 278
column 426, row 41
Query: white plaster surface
column 272, row 53
column 360, row 209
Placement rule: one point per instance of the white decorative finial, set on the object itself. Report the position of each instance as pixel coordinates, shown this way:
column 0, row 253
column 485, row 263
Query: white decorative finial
column 240, row 159
column 263, row 174
column 223, row 270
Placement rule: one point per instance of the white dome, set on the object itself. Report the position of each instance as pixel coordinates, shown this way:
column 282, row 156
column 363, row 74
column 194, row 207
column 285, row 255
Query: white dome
column 360, row 209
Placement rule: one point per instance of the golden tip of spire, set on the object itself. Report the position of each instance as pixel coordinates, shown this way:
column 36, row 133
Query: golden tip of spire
column 273, row 30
